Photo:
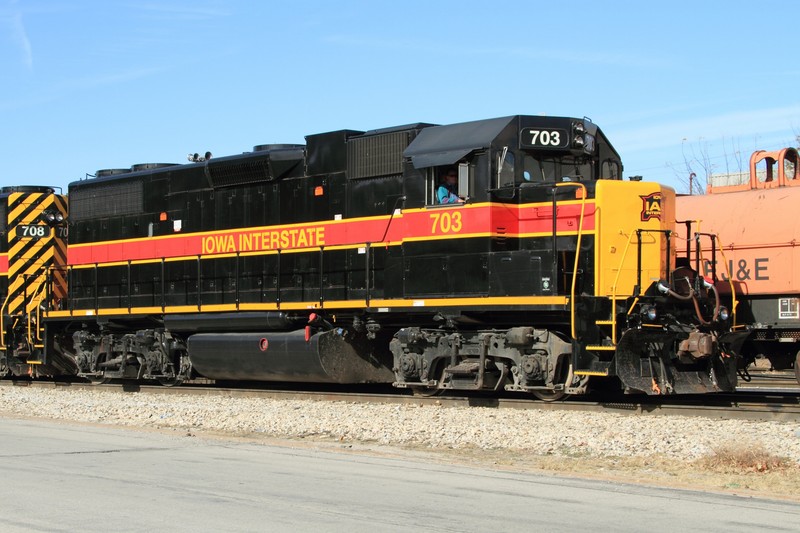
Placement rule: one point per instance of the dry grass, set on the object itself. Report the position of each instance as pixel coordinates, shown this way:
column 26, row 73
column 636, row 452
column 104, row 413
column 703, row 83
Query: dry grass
column 741, row 459
column 743, row 469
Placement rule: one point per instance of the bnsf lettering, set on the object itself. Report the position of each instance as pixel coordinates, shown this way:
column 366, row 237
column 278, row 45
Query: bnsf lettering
column 264, row 240
column 742, row 270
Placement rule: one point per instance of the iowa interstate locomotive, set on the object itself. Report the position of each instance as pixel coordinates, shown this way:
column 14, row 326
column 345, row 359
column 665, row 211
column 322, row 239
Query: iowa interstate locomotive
column 337, row 262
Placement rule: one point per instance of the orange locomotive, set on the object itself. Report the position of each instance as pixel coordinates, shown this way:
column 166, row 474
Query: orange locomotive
column 757, row 232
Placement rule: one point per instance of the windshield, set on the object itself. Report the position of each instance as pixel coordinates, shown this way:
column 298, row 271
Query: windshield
column 556, row 169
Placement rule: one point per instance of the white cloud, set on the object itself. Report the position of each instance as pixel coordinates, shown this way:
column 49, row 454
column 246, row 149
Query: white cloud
column 20, row 37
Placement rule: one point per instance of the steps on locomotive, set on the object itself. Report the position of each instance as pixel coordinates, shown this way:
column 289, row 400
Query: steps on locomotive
column 607, row 326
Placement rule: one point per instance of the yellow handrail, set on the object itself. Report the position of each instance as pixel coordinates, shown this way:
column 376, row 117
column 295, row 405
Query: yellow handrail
column 36, row 299
column 614, row 289
column 582, row 187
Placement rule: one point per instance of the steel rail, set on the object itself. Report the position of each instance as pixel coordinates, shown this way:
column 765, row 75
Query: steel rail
column 763, row 404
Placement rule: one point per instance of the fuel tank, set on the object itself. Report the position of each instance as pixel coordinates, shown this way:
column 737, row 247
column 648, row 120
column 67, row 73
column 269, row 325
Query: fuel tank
column 324, row 357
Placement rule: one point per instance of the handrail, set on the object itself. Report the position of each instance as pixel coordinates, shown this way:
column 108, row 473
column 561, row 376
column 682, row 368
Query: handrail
column 614, row 289
column 26, row 307
column 734, row 301
column 2, row 325
column 582, row 187
column 36, row 299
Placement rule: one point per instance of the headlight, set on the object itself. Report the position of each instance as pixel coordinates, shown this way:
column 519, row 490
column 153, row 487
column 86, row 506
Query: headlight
column 650, row 312
column 723, row 313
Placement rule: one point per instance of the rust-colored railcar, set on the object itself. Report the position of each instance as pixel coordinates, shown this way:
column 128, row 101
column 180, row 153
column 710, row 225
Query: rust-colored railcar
column 758, row 229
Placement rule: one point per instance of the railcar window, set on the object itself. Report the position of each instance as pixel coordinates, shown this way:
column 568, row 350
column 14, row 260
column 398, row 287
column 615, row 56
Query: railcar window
column 790, row 166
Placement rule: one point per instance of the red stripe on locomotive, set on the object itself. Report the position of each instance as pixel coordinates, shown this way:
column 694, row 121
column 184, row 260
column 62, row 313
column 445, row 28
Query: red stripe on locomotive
column 462, row 221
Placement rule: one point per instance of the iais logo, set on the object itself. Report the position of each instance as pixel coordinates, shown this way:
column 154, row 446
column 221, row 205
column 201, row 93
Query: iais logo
column 651, row 206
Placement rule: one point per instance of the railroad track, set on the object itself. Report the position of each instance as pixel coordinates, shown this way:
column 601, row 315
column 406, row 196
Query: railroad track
column 759, row 402
column 770, row 379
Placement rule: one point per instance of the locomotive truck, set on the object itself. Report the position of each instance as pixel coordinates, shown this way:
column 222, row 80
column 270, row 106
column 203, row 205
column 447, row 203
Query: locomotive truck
column 332, row 262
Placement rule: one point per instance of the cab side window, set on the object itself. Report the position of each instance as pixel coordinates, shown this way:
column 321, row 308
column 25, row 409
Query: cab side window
column 448, row 185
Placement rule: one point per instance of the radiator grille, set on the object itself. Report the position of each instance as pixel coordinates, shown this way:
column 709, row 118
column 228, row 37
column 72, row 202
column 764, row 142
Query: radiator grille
column 106, row 200
column 241, row 173
column 376, row 155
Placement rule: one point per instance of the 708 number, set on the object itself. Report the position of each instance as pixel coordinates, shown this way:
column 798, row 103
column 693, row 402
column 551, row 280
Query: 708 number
column 37, row 231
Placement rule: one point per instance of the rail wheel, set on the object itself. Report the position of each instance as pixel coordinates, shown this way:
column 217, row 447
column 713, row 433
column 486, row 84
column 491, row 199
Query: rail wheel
column 424, row 392
column 549, row 395
column 170, row 382
column 97, row 380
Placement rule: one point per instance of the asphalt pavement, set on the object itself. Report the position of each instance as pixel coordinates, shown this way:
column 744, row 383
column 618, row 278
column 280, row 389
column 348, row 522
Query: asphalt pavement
column 67, row 477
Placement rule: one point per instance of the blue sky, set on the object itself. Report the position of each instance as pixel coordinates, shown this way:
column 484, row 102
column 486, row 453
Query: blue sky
column 88, row 85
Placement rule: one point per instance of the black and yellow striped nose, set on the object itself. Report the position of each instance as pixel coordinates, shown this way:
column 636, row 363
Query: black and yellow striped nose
column 37, row 248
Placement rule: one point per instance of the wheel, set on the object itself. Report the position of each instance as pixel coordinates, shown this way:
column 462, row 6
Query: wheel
column 170, row 382
column 425, row 392
column 97, row 380
column 549, row 395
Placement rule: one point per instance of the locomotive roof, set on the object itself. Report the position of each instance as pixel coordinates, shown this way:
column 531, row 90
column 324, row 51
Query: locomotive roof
column 5, row 191
column 444, row 145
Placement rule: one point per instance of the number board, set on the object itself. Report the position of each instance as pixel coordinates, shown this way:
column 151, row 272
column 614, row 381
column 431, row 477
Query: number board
column 33, row 232
column 543, row 138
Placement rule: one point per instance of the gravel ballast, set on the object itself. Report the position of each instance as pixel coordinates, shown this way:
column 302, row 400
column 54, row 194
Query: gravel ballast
column 538, row 432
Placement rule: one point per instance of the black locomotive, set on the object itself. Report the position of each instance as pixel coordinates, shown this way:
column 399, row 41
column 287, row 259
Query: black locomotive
column 337, row 261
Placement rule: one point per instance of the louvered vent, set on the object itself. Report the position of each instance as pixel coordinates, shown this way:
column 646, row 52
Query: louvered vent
column 106, row 200
column 239, row 173
column 376, row 155
column 500, row 236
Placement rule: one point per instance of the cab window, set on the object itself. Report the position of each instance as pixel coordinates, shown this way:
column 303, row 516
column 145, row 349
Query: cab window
column 532, row 170
column 505, row 172
column 449, row 184
column 609, row 170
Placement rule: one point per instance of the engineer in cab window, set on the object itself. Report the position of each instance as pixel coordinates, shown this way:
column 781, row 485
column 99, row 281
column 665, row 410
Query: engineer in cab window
column 447, row 191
